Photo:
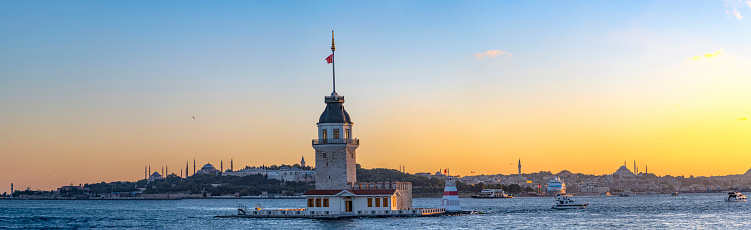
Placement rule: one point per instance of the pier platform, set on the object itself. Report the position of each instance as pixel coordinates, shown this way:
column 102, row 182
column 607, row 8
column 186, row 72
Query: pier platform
column 243, row 212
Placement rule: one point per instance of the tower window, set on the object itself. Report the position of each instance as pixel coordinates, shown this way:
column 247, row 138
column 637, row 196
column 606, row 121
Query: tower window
column 346, row 134
column 324, row 134
column 336, row 133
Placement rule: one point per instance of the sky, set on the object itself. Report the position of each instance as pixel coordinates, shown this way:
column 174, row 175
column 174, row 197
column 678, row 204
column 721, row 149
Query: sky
column 96, row 91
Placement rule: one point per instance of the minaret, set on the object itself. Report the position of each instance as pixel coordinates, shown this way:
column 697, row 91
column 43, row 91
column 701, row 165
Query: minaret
column 231, row 165
column 302, row 162
column 335, row 146
column 186, row 168
column 221, row 166
column 11, row 190
column 646, row 169
column 520, row 166
column 145, row 174
column 149, row 169
column 194, row 166
column 166, row 171
column 181, row 173
column 162, row 170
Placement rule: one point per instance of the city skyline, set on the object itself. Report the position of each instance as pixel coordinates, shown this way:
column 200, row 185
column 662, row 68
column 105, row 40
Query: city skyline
column 92, row 92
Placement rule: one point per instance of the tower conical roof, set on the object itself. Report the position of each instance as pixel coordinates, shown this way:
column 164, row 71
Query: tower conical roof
column 334, row 112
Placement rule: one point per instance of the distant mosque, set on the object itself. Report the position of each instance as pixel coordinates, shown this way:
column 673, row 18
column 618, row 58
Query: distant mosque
column 208, row 169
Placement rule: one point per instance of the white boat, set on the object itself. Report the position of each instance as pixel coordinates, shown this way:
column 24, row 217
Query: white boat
column 492, row 193
column 564, row 201
column 735, row 196
column 556, row 186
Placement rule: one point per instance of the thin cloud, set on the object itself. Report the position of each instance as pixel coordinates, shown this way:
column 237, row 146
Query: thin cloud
column 742, row 119
column 492, row 54
column 735, row 5
column 734, row 14
column 707, row 55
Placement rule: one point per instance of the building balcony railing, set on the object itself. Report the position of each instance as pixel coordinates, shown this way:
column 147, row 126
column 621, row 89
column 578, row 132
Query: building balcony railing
column 336, row 141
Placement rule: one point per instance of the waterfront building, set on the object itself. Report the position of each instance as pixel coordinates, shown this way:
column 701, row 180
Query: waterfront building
column 337, row 191
column 71, row 188
column 282, row 174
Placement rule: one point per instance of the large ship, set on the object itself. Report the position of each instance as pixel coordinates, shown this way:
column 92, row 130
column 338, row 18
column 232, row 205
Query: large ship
column 556, row 186
column 492, row 193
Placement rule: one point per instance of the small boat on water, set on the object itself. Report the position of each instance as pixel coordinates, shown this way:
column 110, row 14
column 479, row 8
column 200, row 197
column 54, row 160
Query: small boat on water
column 564, row 201
column 625, row 194
column 492, row 193
column 674, row 193
column 735, row 196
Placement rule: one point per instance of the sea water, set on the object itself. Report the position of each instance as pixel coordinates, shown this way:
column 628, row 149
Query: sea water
column 706, row 210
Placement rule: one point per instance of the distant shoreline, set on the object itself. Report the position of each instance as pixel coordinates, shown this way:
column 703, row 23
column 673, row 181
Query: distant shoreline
column 462, row 195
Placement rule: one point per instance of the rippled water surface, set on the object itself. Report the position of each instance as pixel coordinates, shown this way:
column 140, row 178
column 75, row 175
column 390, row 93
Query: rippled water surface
column 638, row 211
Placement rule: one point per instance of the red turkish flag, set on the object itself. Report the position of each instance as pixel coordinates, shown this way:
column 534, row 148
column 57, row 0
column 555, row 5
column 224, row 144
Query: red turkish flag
column 330, row 59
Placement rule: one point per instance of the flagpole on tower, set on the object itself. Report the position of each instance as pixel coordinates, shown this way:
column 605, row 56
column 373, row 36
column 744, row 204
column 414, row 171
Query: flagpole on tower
column 333, row 65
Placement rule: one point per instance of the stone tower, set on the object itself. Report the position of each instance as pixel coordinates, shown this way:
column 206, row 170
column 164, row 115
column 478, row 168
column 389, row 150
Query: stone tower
column 302, row 162
column 520, row 167
column 335, row 146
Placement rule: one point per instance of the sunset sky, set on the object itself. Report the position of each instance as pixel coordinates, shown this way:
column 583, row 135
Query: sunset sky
column 93, row 91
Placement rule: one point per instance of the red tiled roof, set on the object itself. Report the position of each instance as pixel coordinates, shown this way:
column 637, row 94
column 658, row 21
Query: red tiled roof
column 322, row 192
column 358, row 192
column 366, row 192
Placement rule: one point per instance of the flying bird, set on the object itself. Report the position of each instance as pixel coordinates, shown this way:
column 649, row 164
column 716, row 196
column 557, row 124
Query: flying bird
column 193, row 117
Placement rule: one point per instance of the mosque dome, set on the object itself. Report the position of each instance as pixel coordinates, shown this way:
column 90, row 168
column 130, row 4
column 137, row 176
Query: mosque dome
column 624, row 171
column 334, row 112
column 208, row 167
column 155, row 174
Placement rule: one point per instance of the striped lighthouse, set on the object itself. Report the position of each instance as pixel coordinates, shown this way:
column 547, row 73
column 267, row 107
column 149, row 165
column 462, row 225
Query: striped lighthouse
column 450, row 199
